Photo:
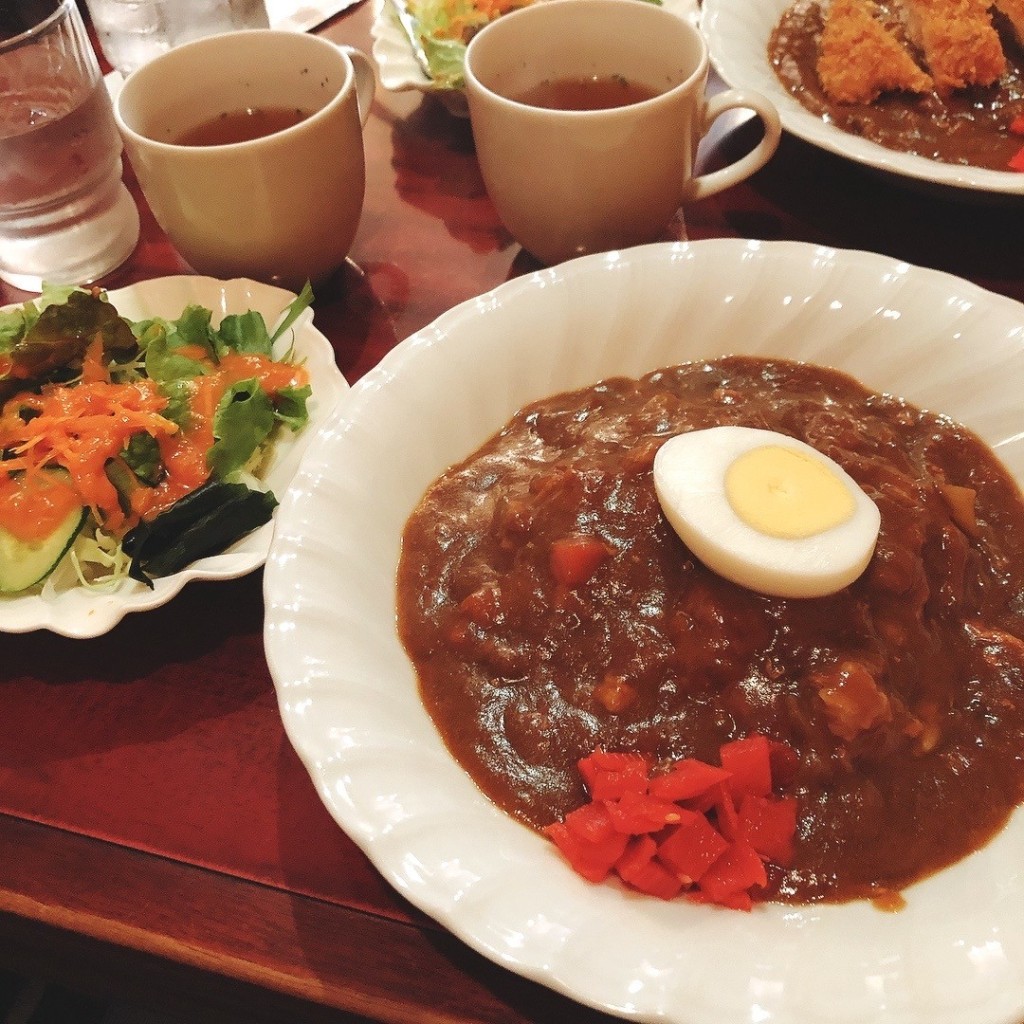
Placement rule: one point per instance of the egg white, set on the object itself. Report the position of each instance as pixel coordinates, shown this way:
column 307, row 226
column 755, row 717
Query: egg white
column 689, row 478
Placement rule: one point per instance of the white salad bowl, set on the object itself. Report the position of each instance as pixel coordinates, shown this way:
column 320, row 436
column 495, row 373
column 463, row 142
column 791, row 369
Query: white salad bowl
column 400, row 70
column 73, row 610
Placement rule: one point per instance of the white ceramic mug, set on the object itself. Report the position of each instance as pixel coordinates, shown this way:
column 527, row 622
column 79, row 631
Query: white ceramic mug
column 282, row 208
column 568, row 182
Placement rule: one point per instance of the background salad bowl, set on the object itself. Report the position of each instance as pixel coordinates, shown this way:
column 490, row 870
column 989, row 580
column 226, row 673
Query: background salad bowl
column 401, row 69
column 64, row 606
column 348, row 693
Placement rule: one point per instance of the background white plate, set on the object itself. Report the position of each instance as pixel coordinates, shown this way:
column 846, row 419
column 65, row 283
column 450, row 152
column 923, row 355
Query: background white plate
column 349, row 698
column 737, row 32
column 400, row 71
column 79, row 612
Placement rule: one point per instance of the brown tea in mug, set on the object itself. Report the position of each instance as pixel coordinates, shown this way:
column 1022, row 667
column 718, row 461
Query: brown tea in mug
column 242, row 126
column 596, row 93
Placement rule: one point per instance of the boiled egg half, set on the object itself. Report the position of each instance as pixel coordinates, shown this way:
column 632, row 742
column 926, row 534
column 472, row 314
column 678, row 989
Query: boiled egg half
column 766, row 510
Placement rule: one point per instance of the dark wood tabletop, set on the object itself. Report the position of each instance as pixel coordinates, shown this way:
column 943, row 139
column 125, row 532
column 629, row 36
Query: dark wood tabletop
column 158, row 835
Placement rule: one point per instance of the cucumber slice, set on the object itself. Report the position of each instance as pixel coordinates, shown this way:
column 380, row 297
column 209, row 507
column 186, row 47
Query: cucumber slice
column 25, row 563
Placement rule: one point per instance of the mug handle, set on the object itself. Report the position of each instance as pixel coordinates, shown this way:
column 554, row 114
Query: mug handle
column 708, row 184
column 366, row 80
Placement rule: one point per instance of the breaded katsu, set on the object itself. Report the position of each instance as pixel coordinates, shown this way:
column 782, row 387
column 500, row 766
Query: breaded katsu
column 960, row 46
column 860, row 58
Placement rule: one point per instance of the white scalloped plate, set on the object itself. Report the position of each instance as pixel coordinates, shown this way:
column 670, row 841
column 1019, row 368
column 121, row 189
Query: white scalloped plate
column 78, row 612
column 737, row 32
column 399, row 70
column 348, row 694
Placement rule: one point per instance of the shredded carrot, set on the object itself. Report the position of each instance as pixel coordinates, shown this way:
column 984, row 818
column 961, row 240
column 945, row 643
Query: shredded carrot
column 80, row 428
column 94, row 366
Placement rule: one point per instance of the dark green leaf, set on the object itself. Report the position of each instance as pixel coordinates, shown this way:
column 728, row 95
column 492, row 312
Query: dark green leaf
column 203, row 523
column 58, row 339
column 142, row 456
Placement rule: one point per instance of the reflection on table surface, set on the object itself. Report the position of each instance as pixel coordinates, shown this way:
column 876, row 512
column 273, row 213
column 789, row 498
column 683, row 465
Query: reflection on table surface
column 159, row 839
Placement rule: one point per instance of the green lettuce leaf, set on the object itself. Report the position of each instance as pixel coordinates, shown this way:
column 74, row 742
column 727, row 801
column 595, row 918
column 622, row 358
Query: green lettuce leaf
column 242, row 422
column 446, row 59
column 53, row 344
column 244, row 332
column 163, row 360
column 290, row 406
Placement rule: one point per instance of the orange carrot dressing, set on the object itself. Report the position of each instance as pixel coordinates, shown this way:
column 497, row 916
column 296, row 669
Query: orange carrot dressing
column 184, row 454
column 82, row 426
column 32, row 511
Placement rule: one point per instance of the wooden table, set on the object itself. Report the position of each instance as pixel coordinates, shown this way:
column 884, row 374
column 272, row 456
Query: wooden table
column 159, row 838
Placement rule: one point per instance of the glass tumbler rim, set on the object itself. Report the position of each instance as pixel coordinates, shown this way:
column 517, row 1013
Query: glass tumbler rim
column 63, row 9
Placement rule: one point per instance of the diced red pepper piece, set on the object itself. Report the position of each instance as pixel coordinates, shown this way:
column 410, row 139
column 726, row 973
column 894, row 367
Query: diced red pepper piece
column 636, row 813
column 769, row 825
column 727, row 818
column 638, row 868
column 737, row 901
column 687, row 779
column 691, row 847
column 608, row 776
column 662, row 846
column 482, row 606
column 1017, row 125
column 784, row 761
column 591, row 822
column 1017, row 160
column 594, row 861
column 735, row 871
column 575, row 559
column 639, row 853
column 749, row 762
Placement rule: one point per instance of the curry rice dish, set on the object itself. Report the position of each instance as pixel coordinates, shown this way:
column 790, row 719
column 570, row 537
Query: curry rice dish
column 938, row 78
column 902, row 694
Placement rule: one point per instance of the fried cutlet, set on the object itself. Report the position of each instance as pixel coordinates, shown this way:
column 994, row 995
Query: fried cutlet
column 960, row 46
column 860, row 58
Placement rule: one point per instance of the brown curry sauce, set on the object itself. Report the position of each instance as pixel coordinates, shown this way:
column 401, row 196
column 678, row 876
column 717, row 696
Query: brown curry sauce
column 968, row 127
column 903, row 694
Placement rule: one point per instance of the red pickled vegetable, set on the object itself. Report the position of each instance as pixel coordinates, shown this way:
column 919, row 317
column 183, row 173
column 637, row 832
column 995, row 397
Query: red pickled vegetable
column 692, row 847
column 769, row 826
column 737, row 870
column 636, row 813
column 695, row 829
column 575, row 559
column 1017, row 160
column 591, row 822
column 593, row 860
column 609, row 776
column 725, row 814
column 749, row 762
column 639, row 869
column 687, row 779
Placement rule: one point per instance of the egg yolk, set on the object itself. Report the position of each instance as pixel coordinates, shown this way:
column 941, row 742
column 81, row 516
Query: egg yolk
column 784, row 493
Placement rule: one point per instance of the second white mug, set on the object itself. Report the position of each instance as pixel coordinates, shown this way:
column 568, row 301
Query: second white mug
column 571, row 181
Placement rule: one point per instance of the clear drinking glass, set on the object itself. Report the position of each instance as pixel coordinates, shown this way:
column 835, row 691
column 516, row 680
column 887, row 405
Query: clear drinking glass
column 65, row 215
column 132, row 32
